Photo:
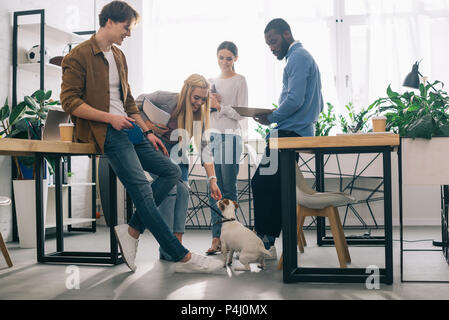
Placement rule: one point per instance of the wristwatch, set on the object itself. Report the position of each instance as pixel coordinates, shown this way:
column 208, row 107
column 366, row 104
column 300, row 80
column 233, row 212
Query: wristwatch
column 147, row 132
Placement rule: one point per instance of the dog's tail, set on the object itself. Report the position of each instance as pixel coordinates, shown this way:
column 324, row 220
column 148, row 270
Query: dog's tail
column 265, row 251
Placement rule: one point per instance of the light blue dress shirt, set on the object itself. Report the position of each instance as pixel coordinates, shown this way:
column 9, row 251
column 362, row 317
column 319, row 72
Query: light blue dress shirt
column 301, row 100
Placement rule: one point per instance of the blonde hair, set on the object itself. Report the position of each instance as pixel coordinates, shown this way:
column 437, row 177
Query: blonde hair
column 184, row 113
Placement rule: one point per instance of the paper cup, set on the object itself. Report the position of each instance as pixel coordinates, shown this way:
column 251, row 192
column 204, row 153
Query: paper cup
column 379, row 123
column 66, row 132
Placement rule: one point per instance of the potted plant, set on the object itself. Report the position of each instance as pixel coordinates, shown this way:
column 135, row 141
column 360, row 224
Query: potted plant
column 25, row 121
column 417, row 115
column 70, row 177
column 326, row 121
column 356, row 121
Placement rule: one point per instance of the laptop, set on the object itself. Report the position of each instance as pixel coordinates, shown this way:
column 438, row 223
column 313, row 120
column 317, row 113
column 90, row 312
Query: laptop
column 55, row 116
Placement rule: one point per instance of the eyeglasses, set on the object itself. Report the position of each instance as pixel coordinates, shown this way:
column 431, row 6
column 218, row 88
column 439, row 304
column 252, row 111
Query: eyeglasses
column 203, row 99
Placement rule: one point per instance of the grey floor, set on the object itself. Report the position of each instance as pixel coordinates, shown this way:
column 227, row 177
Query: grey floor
column 155, row 279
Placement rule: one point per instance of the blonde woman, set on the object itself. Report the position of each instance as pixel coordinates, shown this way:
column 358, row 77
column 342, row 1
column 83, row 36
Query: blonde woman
column 191, row 105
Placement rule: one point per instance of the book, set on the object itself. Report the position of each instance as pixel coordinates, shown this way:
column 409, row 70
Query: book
column 155, row 114
column 251, row 112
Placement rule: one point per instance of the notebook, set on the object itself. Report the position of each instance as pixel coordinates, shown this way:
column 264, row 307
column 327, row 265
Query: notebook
column 55, row 116
column 155, row 114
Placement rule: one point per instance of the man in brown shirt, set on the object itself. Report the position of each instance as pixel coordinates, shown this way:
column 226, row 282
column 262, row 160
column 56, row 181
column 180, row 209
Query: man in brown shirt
column 95, row 91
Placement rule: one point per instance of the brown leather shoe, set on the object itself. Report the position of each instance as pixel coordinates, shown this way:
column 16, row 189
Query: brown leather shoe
column 215, row 248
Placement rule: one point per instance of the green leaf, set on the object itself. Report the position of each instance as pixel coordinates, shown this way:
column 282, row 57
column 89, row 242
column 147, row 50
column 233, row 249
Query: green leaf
column 53, row 103
column 423, row 90
column 17, row 113
column 444, row 129
column 47, row 95
column 31, row 103
column 421, row 128
column 391, row 94
column 5, row 111
column 39, row 95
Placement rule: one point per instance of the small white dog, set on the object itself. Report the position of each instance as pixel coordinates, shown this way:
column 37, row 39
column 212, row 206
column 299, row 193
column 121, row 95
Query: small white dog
column 236, row 237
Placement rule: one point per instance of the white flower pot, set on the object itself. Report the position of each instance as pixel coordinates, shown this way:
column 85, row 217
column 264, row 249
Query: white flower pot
column 25, row 203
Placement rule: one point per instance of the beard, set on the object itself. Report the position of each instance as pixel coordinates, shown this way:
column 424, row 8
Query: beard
column 284, row 49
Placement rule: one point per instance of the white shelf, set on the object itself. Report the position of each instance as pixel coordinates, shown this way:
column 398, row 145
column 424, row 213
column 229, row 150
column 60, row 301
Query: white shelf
column 50, row 69
column 57, row 34
column 56, row 107
column 77, row 184
column 70, row 221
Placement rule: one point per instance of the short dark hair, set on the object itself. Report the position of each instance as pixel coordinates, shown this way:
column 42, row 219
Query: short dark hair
column 118, row 11
column 278, row 24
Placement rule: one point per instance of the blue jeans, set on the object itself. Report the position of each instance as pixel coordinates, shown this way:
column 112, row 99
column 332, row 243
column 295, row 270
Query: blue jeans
column 174, row 208
column 129, row 162
column 226, row 150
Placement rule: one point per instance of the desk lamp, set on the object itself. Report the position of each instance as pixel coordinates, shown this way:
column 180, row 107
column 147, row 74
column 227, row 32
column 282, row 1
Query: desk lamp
column 412, row 79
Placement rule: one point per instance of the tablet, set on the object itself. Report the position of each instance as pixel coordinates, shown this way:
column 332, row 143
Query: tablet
column 251, row 112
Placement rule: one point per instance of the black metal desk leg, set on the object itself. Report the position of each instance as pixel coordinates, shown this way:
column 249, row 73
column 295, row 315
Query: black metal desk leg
column 113, row 214
column 319, row 179
column 40, row 228
column 289, row 238
column 94, row 193
column 388, row 217
column 59, row 207
column 401, row 221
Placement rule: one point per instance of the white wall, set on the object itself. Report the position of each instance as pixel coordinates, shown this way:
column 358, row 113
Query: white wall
column 73, row 15
column 421, row 203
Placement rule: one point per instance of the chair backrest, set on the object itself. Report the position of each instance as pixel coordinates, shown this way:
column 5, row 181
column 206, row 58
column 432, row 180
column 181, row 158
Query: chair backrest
column 5, row 201
column 311, row 199
column 253, row 159
column 301, row 184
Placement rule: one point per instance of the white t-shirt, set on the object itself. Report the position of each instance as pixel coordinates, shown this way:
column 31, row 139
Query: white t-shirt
column 115, row 103
column 234, row 93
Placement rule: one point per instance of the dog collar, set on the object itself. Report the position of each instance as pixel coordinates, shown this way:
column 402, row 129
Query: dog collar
column 225, row 220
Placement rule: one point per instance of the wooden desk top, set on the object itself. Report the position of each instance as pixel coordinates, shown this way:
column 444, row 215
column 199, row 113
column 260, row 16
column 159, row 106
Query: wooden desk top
column 25, row 147
column 350, row 140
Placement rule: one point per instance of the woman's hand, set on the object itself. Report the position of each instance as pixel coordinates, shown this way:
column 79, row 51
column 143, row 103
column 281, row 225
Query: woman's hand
column 215, row 100
column 215, row 192
column 216, row 96
column 155, row 141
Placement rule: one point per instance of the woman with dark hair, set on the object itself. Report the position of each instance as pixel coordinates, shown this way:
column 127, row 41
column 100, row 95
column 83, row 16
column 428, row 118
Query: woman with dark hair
column 227, row 128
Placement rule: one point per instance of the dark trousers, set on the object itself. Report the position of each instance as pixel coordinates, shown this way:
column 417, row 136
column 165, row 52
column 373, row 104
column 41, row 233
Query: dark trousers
column 267, row 193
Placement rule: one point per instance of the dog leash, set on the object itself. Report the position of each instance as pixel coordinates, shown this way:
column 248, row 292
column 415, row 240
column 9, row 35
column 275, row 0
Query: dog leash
column 223, row 217
column 225, row 220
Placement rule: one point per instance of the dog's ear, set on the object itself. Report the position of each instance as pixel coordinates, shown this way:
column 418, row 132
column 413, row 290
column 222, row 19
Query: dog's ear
column 235, row 204
column 221, row 206
column 225, row 201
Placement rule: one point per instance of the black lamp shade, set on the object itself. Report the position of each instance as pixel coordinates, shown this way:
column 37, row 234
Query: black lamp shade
column 412, row 79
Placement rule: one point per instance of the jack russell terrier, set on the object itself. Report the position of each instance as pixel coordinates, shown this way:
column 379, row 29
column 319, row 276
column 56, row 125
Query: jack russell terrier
column 236, row 237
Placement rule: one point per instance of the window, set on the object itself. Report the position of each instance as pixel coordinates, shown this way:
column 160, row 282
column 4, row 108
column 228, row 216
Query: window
column 361, row 46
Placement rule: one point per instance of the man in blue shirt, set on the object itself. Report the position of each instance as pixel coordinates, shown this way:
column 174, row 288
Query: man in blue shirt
column 300, row 104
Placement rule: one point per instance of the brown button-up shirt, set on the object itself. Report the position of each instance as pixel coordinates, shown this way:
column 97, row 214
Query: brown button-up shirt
column 85, row 79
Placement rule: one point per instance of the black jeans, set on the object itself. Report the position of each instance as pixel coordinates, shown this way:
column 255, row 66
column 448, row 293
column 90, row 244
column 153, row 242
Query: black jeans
column 267, row 193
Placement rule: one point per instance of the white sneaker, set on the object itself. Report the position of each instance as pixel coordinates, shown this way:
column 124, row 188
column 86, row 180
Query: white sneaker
column 127, row 244
column 273, row 253
column 199, row 264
